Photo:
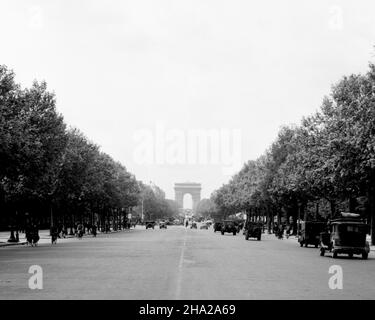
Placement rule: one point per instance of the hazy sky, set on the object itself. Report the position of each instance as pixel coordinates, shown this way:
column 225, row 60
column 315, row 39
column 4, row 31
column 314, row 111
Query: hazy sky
column 143, row 75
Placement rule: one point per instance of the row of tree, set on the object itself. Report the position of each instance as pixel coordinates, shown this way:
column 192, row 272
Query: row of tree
column 153, row 204
column 318, row 168
column 51, row 174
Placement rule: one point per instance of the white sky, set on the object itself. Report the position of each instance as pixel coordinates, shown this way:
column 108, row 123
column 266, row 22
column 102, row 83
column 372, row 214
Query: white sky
column 118, row 67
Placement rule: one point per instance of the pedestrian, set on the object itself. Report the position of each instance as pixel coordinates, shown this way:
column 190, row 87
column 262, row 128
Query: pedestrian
column 54, row 234
column 35, row 235
column 93, row 230
column 79, row 231
column 289, row 228
column 64, row 231
column 281, row 231
column 29, row 235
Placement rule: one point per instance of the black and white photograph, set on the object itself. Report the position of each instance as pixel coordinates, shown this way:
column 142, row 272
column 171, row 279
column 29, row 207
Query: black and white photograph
column 201, row 150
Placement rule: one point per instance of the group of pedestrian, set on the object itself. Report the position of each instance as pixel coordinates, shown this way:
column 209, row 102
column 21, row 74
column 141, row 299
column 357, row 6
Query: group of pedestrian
column 60, row 231
column 280, row 229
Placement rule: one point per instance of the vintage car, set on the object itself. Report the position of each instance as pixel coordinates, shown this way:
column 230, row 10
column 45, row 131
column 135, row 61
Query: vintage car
column 204, row 225
column 150, row 224
column 217, row 226
column 228, row 226
column 253, row 230
column 310, row 233
column 345, row 235
column 162, row 225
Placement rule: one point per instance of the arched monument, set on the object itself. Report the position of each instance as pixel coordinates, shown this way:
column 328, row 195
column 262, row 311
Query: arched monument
column 192, row 188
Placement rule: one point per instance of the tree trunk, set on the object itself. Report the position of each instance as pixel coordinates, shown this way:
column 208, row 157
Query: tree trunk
column 270, row 220
column 333, row 208
column 371, row 199
column 295, row 218
column 12, row 238
column 304, row 213
column 316, row 210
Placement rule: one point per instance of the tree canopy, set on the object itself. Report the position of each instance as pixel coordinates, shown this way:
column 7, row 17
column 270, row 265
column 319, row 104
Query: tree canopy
column 329, row 157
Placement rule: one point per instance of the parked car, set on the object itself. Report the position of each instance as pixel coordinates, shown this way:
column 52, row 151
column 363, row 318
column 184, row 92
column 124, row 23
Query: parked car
column 217, row 226
column 310, row 233
column 162, row 225
column 150, row 224
column 253, row 230
column 346, row 235
column 228, row 226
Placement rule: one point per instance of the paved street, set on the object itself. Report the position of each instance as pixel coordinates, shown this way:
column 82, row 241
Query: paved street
column 180, row 263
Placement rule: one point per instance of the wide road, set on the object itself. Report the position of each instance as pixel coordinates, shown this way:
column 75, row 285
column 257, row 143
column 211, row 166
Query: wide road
column 180, row 263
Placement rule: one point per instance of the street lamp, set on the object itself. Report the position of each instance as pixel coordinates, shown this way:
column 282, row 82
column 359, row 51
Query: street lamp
column 142, row 213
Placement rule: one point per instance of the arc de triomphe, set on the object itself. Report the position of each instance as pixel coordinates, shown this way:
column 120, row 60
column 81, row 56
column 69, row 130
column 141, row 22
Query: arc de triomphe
column 192, row 188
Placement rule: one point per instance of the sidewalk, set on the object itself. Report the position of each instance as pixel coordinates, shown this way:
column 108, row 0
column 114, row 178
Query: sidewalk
column 44, row 235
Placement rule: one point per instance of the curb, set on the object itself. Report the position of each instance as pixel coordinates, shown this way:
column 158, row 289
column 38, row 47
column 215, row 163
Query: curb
column 20, row 243
column 8, row 244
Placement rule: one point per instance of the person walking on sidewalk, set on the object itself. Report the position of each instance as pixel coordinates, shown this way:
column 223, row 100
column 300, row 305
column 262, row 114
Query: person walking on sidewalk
column 34, row 235
column 54, row 234
column 93, row 230
column 29, row 235
column 80, row 231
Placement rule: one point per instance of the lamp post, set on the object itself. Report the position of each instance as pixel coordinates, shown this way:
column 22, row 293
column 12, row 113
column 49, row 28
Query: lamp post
column 142, row 212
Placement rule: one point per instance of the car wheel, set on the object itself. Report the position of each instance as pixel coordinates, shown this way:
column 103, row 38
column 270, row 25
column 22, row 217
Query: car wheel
column 350, row 255
column 234, row 233
column 334, row 255
column 322, row 252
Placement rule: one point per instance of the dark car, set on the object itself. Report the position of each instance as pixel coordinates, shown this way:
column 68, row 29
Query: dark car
column 228, row 226
column 253, row 230
column 150, row 224
column 217, row 226
column 310, row 233
column 162, row 225
column 346, row 235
